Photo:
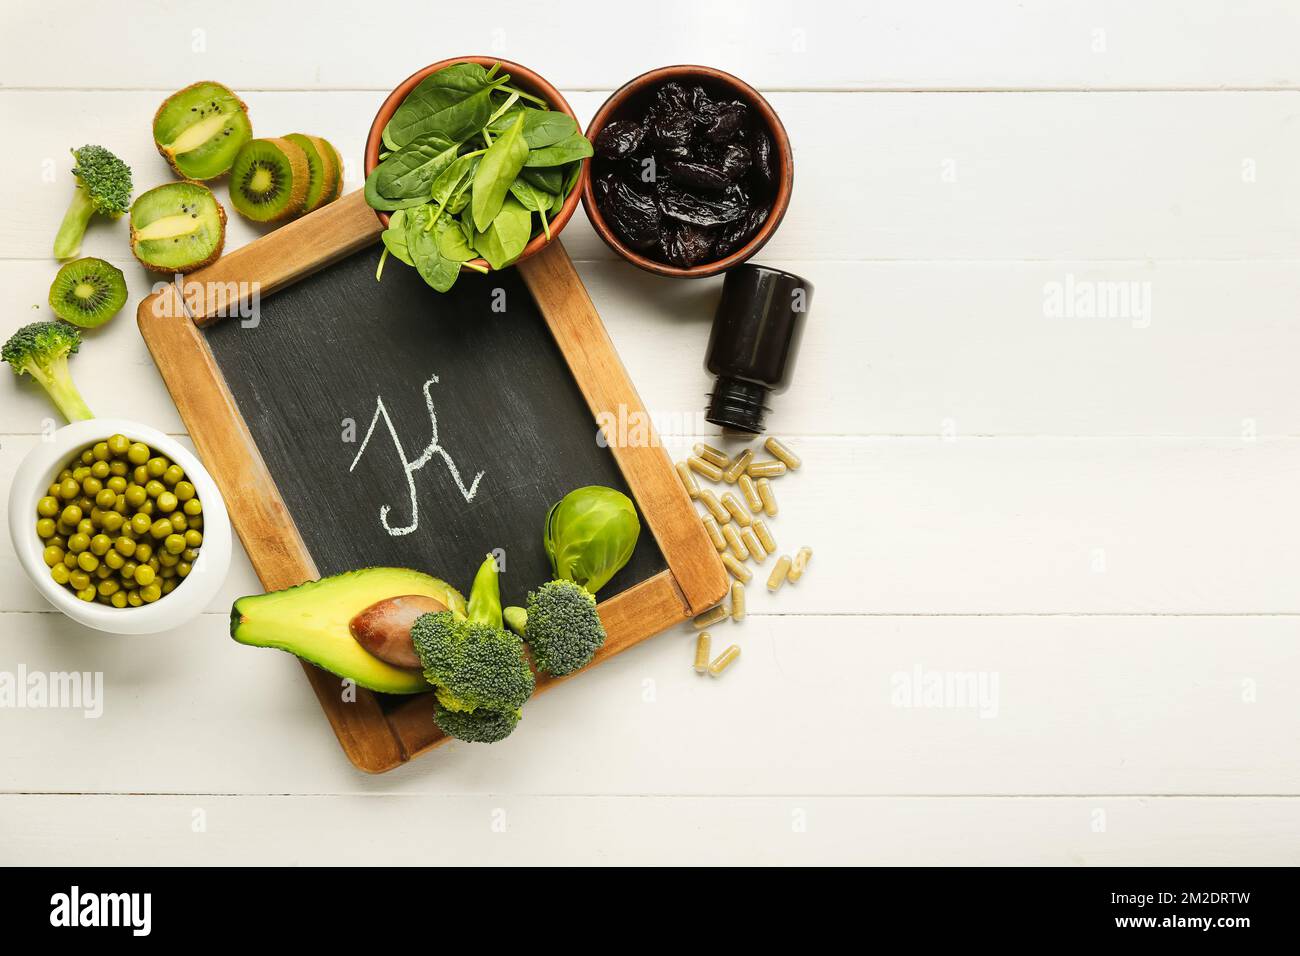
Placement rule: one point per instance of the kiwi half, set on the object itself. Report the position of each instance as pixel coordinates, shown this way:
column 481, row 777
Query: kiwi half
column 322, row 173
column 177, row 227
column 88, row 292
column 200, row 129
column 269, row 179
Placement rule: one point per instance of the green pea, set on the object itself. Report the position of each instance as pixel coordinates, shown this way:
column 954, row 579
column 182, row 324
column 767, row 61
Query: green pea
column 184, row 568
column 69, row 488
column 80, row 472
column 45, row 528
column 135, row 495
column 87, row 561
column 134, row 599
column 85, row 526
column 144, row 575
column 108, row 587
column 78, row 542
column 53, row 556
column 150, row 593
column 189, row 555
column 103, row 571
column 137, row 453
column 161, row 528
column 156, row 466
column 153, row 488
column 140, row 475
column 112, row 522
column 70, row 561
column 118, row 599
column 143, row 552
column 124, row 547
column 128, row 570
column 193, row 538
column 121, row 506
column 91, row 486
column 193, row 507
column 118, row 469
column 166, row 502
column 147, row 508
column 114, row 560
column 119, row 445
column 174, row 544
column 86, row 594
column 47, row 507
column 100, row 544
column 184, row 491
column 60, row 573
column 140, row 524
column 78, row 580
column 167, row 559
column 169, row 585
column 100, row 470
column 106, row 498
column 178, row 520
column 116, row 484
column 100, row 451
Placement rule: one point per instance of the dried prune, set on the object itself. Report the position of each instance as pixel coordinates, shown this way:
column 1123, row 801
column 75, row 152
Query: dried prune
column 671, row 130
column 735, row 161
column 678, row 204
column 619, row 139
column 671, row 98
column 726, row 125
column 735, row 234
column 761, row 148
column 703, row 109
column 686, row 245
column 698, row 175
column 635, row 217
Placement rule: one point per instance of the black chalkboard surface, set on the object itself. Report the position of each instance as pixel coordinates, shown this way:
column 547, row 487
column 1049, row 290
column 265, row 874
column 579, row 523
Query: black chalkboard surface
column 341, row 382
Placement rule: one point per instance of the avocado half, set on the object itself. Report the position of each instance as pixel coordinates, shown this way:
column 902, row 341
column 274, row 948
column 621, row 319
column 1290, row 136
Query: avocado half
column 311, row 621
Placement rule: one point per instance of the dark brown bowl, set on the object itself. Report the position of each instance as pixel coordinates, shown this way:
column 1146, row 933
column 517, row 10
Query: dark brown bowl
column 634, row 93
column 520, row 76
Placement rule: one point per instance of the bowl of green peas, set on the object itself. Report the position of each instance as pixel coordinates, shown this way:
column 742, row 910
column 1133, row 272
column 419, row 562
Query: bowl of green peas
column 119, row 526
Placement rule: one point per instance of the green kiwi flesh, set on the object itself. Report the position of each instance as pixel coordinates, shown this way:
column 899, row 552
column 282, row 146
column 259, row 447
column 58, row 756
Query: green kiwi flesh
column 199, row 130
column 177, row 227
column 319, row 169
column 269, row 180
column 88, row 292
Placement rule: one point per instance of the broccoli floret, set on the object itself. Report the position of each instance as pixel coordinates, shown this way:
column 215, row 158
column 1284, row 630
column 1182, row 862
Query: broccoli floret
column 103, row 186
column 561, row 626
column 482, row 726
column 41, row 350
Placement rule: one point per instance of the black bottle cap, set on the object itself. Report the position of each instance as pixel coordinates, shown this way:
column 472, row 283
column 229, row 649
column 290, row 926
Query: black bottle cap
column 752, row 346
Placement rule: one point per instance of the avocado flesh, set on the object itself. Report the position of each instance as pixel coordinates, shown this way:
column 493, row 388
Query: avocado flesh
column 311, row 621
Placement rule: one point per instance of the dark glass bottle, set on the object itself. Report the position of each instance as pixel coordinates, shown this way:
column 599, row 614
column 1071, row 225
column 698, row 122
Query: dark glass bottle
column 752, row 346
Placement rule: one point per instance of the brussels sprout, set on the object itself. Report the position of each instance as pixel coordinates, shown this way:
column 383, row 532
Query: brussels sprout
column 590, row 534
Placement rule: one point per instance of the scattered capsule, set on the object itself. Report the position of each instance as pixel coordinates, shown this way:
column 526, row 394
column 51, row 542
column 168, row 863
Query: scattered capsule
column 713, row 615
column 779, row 573
column 800, row 563
column 714, row 456
column 754, row 546
column 738, row 467
column 738, row 570
column 750, row 491
column 764, row 536
column 738, row 510
column 715, row 535
column 703, row 644
column 768, row 496
column 732, row 537
column 737, row 601
column 772, row 468
column 710, row 501
column 688, row 480
column 723, row 661
column 780, row 451
column 707, row 469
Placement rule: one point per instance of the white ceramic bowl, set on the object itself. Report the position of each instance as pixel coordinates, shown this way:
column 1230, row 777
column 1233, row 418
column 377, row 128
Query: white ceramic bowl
column 192, row 595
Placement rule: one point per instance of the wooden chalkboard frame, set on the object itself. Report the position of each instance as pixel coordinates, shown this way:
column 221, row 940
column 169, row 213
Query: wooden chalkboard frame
column 376, row 740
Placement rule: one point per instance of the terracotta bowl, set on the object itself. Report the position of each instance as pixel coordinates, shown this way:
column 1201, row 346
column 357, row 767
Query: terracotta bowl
column 633, row 96
column 520, row 76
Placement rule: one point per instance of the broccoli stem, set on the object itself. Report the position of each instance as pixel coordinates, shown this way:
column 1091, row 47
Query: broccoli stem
column 57, row 381
column 516, row 618
column 67, row 243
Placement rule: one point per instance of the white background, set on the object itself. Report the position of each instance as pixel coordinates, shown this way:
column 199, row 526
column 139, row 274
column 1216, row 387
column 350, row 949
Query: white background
column 1100, row 512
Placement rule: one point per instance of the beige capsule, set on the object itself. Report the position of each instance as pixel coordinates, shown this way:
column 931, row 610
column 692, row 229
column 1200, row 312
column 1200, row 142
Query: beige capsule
column 738, row 570
column 710, row 501
column 800, row 563
column 723, row 661
column 705, row 468
column 771, row 468
column 780, row 451
column 688, row 480
column 732, row 474
column 754, row 546
column 737, row 601
column 733, row 539
column 711, row 526
column 737, row 509
column 703, row 645
column 750, row 492
column 764, row 536
column 714, row 456
column 768, row 496
column 710, row 617
column 779, row 573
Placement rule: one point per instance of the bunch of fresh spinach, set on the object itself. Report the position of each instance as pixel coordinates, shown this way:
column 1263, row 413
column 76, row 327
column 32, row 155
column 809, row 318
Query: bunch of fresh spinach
column 468, row 162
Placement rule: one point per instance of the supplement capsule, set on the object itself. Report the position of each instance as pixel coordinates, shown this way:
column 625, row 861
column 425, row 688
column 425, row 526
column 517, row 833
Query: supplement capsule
column 800, row 563
column 724, row 661
column 732, row 537
column 737, row 601
column 702, row 646
column 767, row 469
column 750, row 491
column 738, row 467
column 710, row 501
column 710, row 617
column 738, row 511
column 769, row 497
column 781, row 452
column 754, row 546
column 738, row 570
column 707, row 469
column 779, row 573
column 764, row 536
column 688, row 480
column 711, row 526
column 714, row 456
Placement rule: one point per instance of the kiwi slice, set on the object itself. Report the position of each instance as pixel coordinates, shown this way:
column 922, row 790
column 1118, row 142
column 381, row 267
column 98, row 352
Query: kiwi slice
column 334, row 192
column 200, row 129
column 177, row 227
column 88, row 292
column 321, row 172
column 269, row 179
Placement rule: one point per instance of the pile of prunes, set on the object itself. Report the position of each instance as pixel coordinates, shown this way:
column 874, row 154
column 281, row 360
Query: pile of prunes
column 689, row 181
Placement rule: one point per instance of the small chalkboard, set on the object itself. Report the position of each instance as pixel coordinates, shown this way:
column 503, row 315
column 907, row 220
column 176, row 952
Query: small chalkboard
column 353, row 423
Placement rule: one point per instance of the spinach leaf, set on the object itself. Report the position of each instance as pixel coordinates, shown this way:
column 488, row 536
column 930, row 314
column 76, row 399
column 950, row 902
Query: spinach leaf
column 376, row 201
column 453, row 181
column 455, row 102
column 434, row 268
column 534, row 200
column 411, row 170
column 496, row 171
column 567, row 150
column 548, row 179
column 394, row 237
column 541, row 127
column 452, row 243
column 501, row 243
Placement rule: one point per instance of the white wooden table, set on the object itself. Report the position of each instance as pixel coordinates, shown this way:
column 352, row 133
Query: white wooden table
column 1097, row 513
